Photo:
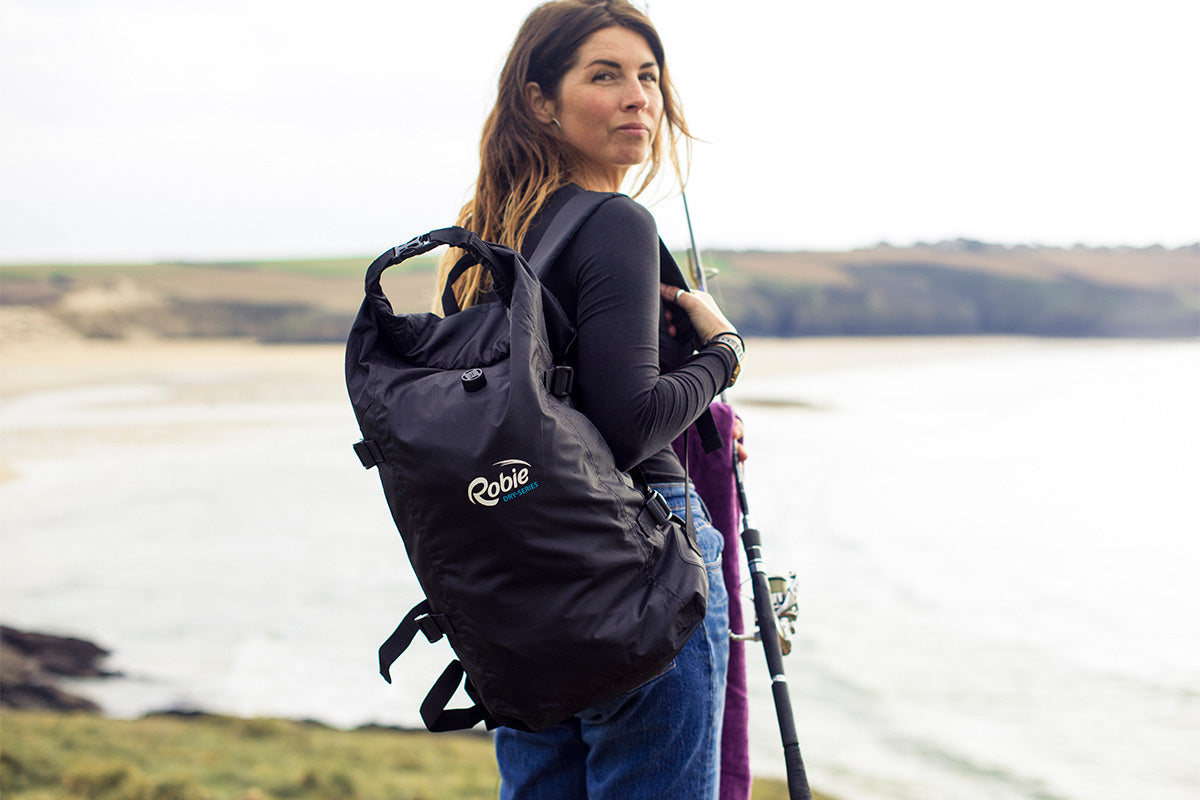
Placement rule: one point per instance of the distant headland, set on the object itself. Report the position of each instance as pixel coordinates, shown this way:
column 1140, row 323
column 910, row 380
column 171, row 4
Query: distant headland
column 961, row 287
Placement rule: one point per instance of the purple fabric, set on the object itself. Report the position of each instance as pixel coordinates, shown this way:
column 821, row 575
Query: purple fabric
column 712, row 474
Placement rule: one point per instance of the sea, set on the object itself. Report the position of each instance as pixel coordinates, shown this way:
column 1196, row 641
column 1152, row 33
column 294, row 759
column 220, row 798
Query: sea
column 996, row 550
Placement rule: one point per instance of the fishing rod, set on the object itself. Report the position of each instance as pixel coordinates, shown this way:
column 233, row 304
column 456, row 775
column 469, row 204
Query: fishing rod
column 774, row 611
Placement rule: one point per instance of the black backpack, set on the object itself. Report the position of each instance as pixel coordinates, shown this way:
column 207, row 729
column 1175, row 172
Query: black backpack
column 559, row 581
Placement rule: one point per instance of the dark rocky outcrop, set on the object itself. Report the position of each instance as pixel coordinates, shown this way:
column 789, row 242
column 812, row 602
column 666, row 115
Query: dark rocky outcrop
column 32, row 663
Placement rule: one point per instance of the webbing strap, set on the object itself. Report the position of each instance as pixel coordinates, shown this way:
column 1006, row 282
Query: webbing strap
column 420, row 618
column 434, row 713
column 687, row 480
column 438, row 718
column 710, row 436
column 449, row 300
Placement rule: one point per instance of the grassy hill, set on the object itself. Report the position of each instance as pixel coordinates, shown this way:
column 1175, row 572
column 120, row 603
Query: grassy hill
column 963, row 287
column 960, row 287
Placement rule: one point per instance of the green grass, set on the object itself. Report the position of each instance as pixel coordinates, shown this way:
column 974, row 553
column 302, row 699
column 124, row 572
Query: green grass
column 168, row 758
column 52, row 756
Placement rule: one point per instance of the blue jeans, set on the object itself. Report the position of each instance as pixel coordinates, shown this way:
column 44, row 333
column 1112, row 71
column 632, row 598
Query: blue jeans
column 660, row 741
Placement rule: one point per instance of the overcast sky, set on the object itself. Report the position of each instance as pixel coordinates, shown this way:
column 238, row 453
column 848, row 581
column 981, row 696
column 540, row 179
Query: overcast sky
column 164, row 129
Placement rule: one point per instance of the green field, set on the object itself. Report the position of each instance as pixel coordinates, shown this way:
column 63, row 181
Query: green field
column 45, row 756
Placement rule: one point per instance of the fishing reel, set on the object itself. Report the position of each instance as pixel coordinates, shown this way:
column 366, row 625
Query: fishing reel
column 785, row 602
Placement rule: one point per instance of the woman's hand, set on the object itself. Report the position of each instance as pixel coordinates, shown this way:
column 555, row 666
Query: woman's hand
column 739, row 431
column 706, row 318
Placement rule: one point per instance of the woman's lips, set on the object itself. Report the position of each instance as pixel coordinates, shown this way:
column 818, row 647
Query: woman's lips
column 634, row 129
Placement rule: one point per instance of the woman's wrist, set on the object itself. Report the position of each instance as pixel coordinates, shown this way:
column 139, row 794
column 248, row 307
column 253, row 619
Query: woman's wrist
column 740, row 341
column 732, row 341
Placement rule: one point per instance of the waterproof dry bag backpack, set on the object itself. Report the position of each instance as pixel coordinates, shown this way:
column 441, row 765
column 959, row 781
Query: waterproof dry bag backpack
column 558, row 580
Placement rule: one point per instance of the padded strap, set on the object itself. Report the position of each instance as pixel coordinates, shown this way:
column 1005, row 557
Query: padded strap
column 564, row 225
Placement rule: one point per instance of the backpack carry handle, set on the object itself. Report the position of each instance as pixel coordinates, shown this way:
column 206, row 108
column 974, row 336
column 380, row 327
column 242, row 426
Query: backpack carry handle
column 492, row 256
column 449, row 299
column 499, row 260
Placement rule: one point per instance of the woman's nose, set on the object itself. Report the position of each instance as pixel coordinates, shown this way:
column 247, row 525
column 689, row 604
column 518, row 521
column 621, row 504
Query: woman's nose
column 636, row 98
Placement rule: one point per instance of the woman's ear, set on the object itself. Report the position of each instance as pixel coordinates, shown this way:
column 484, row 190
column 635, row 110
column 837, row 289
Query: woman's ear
column 541, row 106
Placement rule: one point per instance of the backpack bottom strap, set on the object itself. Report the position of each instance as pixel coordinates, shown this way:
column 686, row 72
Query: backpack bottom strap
column 420, row 618
column 438, row 718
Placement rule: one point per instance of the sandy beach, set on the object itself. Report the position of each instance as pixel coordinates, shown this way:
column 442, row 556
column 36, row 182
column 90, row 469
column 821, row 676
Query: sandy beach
column 315, row 371
column 222, row 371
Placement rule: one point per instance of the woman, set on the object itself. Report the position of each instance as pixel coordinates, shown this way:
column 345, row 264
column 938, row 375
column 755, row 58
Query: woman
column 583, row 98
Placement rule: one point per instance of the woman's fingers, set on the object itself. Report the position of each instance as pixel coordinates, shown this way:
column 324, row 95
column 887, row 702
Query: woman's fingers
column 739, row 431
column 706, row 317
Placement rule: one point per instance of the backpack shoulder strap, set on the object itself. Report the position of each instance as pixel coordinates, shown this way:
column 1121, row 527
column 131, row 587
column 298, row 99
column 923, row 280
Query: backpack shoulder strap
column 564, row 225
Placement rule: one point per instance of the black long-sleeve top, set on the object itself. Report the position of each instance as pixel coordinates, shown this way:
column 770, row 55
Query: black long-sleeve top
column 640, row 386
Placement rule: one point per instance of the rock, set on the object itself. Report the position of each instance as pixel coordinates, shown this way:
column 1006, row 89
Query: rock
column 60, row 655
column 30, row 663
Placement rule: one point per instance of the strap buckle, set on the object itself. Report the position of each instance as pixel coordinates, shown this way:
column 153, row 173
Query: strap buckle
column 402, row 251
column 368, row 453
column 434, row 626
column 559, row 380
column 656, row 504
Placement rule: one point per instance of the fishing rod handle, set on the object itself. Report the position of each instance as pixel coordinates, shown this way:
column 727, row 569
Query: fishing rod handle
column 740, row 483
column 764, row 612
column 797, row 777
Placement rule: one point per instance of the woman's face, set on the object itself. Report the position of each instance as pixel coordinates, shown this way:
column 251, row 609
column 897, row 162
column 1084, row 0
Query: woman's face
column 609, row 106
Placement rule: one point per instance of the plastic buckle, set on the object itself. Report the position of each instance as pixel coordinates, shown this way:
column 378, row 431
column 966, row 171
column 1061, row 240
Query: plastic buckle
column 434, row 626
column 401, row 251
column 656, row 504
column 560, row 380
column 368, row 453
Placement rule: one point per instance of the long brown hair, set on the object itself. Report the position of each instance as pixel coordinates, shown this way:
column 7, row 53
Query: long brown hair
column 521, row 161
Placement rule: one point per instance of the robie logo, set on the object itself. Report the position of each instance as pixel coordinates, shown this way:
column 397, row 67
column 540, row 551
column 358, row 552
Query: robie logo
column 512, row 482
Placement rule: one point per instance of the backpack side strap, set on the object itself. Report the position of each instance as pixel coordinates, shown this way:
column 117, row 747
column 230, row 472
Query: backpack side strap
column 420, row 618
column 438, row 718
column 434, row 713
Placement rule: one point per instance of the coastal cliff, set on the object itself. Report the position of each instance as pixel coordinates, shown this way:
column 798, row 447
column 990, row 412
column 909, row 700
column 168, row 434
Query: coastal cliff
column 31, row 665
column 960, row 288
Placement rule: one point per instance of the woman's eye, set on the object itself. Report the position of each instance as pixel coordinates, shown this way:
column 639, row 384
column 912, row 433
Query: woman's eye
column 650, row 76
column 602, row 76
